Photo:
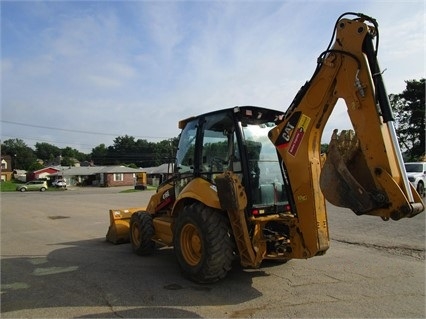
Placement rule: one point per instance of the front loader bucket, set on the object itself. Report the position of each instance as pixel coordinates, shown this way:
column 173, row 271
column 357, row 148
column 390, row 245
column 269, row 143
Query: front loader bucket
column 119, row 228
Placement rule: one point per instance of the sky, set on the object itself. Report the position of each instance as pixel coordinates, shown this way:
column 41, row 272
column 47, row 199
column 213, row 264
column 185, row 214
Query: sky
column 81, row 73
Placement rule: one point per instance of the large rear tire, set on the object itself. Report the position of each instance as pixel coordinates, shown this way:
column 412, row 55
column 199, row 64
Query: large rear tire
column 202, row 243
column 141, row 233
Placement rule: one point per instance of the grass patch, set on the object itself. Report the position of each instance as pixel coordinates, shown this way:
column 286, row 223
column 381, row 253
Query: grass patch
column 56, row 189
column 132, row 190
column 8, row 186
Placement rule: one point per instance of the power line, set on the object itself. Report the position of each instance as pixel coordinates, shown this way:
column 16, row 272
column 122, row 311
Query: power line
column 75, row 131
column 83, row 146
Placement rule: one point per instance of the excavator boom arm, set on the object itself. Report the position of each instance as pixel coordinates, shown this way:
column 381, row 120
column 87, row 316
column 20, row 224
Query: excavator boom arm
column 363, row 171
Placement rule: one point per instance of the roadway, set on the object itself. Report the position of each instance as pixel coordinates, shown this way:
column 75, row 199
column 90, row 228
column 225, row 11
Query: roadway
column 55, row 263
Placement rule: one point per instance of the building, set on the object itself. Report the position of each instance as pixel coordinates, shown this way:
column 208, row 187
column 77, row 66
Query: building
column 105, row 176
column 6, row 168
column 117, row 176
column 159, row 174
column 43, row 173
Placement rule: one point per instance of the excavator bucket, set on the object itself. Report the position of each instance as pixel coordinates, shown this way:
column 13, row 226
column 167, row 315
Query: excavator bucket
column 347, row 181
column 119, row 228
column 343, row 168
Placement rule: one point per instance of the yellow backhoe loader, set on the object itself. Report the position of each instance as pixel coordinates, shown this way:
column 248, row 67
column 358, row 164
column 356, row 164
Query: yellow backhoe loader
column 250, row 183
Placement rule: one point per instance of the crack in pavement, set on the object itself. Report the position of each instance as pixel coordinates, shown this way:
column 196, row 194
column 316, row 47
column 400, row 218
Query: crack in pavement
column 394, row 250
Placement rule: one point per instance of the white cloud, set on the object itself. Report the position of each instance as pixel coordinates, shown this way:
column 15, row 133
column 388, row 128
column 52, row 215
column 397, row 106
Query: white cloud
column 137, row 68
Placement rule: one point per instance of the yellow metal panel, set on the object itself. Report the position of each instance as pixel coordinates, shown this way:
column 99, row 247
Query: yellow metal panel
column 163, row 230
column 200, row 190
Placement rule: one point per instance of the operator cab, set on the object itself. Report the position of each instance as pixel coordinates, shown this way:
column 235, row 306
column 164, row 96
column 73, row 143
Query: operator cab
column 236, row 140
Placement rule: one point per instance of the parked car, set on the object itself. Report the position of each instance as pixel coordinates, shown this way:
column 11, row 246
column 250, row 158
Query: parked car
column 59, row 183
column 36, row 185
column 416, row 173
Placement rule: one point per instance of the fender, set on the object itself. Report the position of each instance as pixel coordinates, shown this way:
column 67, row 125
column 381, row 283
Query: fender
column 200, row 190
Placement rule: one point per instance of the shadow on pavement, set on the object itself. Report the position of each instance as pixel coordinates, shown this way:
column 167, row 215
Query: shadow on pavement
column 94, row 273
column 151, row 312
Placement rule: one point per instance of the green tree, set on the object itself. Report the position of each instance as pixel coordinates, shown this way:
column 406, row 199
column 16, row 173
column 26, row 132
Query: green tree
column 99, row 154
column 73, row 153
column 23, row 157
column 163, row 152
column 123, row 151
column 35, row 166
column 69, row 155
column 409, row 111
column 145, row 153
column 126, row 150
column 46, row 151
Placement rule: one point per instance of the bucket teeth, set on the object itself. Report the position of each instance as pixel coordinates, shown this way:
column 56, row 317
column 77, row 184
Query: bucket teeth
column 344, row 167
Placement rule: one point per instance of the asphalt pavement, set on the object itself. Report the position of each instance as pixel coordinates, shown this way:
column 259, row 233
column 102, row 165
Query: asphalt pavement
column 55, row 263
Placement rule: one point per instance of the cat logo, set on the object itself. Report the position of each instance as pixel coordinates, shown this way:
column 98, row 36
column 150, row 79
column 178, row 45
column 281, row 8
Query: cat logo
column 288, row 130
column 166, row 195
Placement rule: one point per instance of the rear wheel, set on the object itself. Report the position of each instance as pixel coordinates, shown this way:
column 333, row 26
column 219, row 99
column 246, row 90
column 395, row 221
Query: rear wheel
column 42, row 189
column 202, row 243
column 421, row 189
column 23, row 189
column 141, row 233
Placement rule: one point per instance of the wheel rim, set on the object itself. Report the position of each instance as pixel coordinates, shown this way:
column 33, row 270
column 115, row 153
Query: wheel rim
column 136, row 235
column 190, row 243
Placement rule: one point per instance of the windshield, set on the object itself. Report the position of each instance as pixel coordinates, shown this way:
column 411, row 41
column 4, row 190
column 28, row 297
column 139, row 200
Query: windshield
column 414, row 168
column 264, row 169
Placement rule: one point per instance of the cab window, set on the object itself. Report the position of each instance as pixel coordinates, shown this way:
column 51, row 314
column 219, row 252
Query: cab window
column 218, row 144
column 186, row 150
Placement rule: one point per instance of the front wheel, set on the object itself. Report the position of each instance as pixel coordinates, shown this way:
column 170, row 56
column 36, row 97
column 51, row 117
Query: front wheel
column 202, row 243
column 141, row 233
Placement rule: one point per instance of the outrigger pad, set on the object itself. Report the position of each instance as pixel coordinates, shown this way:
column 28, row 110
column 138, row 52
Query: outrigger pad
column 344, row 167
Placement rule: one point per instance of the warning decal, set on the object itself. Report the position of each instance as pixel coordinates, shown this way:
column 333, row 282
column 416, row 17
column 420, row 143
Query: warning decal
column 300, row 129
